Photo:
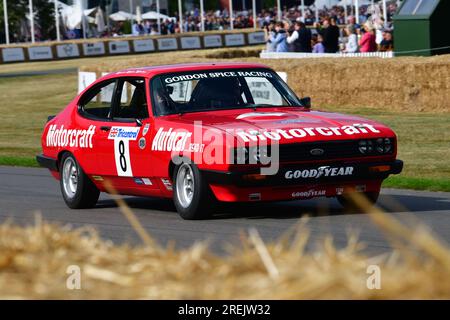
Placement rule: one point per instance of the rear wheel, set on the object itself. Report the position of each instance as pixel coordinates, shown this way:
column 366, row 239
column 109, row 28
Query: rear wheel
column 191, row 194
column 77, row 189
column 348, row 204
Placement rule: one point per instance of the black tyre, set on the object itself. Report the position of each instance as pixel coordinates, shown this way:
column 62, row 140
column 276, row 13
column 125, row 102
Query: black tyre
column 191, row 194
column 77, row 189
column 348, row 204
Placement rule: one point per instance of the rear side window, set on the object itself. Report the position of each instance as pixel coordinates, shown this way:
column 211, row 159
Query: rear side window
column 97, row 102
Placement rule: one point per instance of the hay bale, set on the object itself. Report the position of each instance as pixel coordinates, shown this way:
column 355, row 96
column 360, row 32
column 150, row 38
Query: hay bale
column 35, row 261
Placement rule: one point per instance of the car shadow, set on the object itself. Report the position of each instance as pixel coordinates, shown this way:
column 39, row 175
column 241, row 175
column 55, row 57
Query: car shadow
column 292, row 209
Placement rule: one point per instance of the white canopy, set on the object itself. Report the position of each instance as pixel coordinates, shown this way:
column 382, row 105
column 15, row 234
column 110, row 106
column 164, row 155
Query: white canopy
column 329, row 3
column 72, row 15
column 122, row 16
column 153, row 15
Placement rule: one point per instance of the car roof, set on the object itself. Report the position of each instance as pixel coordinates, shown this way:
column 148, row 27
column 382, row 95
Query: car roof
column 153, row 70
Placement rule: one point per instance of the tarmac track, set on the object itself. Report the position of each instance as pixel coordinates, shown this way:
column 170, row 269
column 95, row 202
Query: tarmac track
column 26, row 191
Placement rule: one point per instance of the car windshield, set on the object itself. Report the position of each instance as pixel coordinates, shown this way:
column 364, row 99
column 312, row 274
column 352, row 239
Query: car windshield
column 210, row 90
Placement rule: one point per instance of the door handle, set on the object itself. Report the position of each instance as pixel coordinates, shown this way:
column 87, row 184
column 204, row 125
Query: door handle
column 105, row 128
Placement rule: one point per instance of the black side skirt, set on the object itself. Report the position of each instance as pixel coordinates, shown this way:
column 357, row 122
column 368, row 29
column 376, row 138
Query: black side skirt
column 47, row 162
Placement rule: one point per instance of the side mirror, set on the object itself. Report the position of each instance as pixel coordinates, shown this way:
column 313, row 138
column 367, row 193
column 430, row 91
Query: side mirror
column 306, row 102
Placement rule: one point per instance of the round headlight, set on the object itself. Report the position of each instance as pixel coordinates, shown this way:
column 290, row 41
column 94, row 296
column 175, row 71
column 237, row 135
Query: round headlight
column 380, row 145
column 384, row 145
column 365, row 146
column 387, row 145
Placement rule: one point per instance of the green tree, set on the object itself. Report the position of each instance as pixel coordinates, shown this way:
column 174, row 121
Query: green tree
column 45, row 18
column 17, row 10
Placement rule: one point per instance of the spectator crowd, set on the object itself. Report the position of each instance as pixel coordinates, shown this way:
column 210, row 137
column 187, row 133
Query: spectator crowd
column 330, row 30
column 303, row 33
column 325, row 30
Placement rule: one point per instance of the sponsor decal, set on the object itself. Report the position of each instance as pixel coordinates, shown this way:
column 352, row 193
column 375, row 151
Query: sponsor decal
column 339, row 190
column 254, row 196
column 170, row 140
column 142, row 143
column 146, row 128
column 260, row 114
column 175, row 140
column 279, row 134
column 325, row 171
column 147, row 181
column 219, row 74
column 75, row 138
column 309, row 194
column 123, row 133
column 143, row 181
column 167, row 183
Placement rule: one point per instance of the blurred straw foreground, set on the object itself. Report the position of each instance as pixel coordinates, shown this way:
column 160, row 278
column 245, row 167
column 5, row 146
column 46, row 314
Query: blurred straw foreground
column 34, row 262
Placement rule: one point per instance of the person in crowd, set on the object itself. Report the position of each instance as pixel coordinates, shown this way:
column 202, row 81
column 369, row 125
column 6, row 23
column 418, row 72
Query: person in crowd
column 352, row 39
column 330, row 36
column 135, row 29
column 387, row 44
column 318, row 46
column 269, row 32
column 352, row 22
column 367, row 42
column 279, row 38
column 300, row 39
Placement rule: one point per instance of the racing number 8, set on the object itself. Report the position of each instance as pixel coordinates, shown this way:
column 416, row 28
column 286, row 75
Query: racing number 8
column 122, row 159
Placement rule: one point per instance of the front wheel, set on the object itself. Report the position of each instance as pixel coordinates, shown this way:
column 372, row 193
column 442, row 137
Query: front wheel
column 191, row 195
column 77, row 189
column 348, row 204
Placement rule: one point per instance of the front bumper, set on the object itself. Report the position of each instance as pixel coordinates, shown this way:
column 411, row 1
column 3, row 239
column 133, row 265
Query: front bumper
column 47, row 162
column 307, row 174
column 251, row 186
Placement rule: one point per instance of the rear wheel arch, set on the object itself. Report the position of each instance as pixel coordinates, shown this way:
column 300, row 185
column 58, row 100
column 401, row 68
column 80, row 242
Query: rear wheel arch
column 60, row 156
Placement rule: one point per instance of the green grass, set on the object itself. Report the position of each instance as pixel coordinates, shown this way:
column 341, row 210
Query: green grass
column 18, row 161
column 424, row 138
column 405, row 182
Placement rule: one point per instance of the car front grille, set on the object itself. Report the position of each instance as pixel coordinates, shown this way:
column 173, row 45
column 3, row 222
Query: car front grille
column 331, row 150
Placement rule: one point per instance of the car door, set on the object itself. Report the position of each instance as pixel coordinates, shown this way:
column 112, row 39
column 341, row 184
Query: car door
column 94, row 111
column 125, row 153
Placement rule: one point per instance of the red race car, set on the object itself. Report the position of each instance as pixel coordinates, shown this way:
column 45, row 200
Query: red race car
column 202, row 133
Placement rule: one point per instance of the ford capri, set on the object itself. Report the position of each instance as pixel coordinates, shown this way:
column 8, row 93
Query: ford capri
column 208, row 133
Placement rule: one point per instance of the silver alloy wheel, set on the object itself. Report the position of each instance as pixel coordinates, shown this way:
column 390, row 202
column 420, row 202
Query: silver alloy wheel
column 185, row 185
column 70, row 177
